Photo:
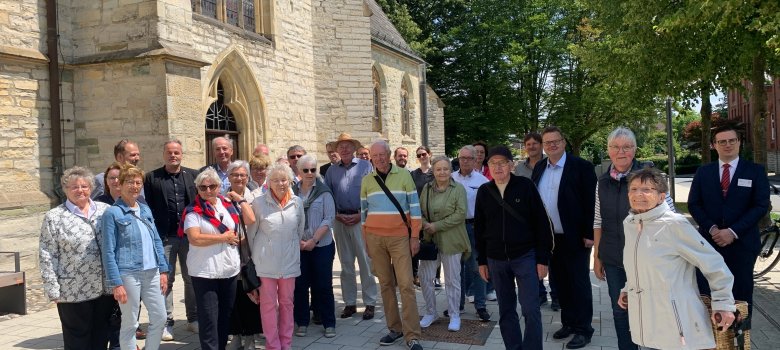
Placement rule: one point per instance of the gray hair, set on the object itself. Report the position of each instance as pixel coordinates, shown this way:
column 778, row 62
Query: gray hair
column 76, row 173
column 384, row 144
column 238, row 164
column 176, row 141
column 470, row 149
column 296, row 148
column 622, row 132
column 442, row 158
column 208, row 174
column 280, row 168
column 651, row 176
column 226, row 138
column 306, row 160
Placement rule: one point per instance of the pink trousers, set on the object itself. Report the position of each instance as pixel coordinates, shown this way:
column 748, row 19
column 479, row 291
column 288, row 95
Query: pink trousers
column 276, row 312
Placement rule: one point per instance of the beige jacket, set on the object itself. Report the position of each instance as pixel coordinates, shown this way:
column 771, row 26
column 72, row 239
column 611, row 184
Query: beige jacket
column 661, row 254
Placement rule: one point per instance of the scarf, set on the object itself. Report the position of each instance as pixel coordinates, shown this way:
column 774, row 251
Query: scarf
column 318, row 189
column 204, row 209
column 282, row 201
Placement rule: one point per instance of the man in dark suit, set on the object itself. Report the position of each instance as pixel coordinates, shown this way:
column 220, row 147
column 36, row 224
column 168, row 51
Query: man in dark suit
column 727, row 199
column 168, row 190
column 333, row 156
column 567, row 185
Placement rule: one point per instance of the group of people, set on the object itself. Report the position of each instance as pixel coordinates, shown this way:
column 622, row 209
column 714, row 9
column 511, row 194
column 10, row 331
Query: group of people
column 114, row 244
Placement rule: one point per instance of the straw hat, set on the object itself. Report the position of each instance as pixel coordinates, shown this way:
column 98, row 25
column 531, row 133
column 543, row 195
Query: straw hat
column 344, row 137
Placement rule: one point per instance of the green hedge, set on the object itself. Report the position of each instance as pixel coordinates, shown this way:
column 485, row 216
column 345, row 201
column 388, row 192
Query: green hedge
column 684, row 165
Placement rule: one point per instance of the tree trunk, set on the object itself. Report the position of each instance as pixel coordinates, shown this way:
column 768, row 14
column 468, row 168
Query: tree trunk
column 706, row 121
column 758, row 99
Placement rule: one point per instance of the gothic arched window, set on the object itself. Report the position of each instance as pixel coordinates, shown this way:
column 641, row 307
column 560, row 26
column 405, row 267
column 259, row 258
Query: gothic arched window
column 405, row 122
column 220, row 122
column 377, row 119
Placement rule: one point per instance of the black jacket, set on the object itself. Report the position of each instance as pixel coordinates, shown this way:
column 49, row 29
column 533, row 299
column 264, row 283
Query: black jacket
column 157, row 201
column 576, row 198
column 501, row 236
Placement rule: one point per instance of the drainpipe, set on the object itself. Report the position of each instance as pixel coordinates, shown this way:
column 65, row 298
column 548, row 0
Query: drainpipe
column 423, row 106
column 52, row 38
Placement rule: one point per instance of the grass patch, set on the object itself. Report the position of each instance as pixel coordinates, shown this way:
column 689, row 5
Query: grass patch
column 682, row 207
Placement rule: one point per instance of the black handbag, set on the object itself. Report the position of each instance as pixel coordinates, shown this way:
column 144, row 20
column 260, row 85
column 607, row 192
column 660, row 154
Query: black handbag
column 249, row 279
column 428, row 250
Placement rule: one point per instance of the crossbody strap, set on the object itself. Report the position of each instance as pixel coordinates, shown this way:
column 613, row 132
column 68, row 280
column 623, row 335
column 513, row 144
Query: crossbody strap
column 395, row 202
column 504, row 204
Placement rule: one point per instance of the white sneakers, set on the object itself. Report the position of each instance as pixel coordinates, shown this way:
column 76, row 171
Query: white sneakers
column 427, row 320
column 454, row 325
column 167, row 333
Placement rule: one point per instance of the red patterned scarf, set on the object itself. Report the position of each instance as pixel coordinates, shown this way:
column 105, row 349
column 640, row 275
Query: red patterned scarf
column 206, row 210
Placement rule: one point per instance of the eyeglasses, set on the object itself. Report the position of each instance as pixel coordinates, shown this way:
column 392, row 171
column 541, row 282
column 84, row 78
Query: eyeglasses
column 625, row 149
column 134, row 183
column 498, row 163
column 553, row 142
column 465, row 159
column 113, row 178
column 420, row 155
column 239, row 176
column 75, row 188
column 311, row 170
column 295, row 156
column 729, row 141
column 205, row 188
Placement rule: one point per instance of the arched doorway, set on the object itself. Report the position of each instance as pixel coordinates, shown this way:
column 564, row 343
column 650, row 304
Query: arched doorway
column 220, row 122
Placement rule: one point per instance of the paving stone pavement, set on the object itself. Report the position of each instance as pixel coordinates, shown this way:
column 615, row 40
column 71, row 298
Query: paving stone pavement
column 41, row 330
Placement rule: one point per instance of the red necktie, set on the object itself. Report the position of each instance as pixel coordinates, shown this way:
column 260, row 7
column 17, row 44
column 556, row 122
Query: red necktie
column 725, row 179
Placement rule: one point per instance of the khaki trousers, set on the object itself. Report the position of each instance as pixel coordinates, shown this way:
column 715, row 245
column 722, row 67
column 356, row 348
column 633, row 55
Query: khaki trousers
column 392, row 262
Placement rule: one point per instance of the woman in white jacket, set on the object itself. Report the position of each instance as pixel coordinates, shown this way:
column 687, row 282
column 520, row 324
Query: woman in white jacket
column 661, row 254
column 275, row 239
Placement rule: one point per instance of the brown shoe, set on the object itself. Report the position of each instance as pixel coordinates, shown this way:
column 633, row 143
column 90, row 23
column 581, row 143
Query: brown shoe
column 140, row 334
column 368, row 313
column 349, row 310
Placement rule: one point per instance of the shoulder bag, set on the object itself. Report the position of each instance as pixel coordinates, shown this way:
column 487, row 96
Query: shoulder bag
column 249, row 279
column 428, row 250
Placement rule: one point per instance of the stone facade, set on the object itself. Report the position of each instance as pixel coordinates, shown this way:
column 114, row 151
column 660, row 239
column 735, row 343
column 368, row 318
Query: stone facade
column 148, row 70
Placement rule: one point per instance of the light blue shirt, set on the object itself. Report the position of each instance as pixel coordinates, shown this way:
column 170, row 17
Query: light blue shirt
column 147, row 243
column 548, row 190
column 75, row 210
column 345, row 181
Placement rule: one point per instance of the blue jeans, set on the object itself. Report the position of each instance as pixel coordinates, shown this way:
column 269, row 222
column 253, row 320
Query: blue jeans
column 215, row 298
column 616, row 279
column 503, row 274
column 469, row 275
column 142, row 285
column 317, row 274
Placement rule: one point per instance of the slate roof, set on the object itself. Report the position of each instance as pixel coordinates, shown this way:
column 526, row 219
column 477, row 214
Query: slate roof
column 384, row 32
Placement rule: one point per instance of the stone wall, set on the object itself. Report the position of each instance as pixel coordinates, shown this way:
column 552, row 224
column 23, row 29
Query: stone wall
column 394, row 70
column 342, row 68
column 26, row 181
column 435, row 122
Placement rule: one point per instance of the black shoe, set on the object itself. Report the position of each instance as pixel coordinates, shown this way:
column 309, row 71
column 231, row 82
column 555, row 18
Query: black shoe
column 554, row 305
column 414, row 344
column 391, row 338
column 368, row 313
column 349, row 310
column 579, row 341
column 563, row 333
column 484, row 316
column 139, row 333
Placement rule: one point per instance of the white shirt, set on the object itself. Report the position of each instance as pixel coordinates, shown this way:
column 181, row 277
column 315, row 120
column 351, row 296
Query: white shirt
column 471, row 182
column 548, row 190
column 216, row 260
column 732, row 169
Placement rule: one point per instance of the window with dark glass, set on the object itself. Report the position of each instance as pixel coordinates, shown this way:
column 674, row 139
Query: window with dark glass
column 405, row 110
column 220, row 122
column 252, row 15
column 208, row 8
column 249, row 15
column 377, row 119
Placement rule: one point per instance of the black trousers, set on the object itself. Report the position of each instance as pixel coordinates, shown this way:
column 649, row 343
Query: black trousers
column 245, row 319
column 571, row 263
column 215, row 298
column 85, row 324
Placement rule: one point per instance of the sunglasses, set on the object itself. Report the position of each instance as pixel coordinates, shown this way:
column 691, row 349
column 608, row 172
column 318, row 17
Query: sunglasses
column 312, row 170
column 209, row 187
column 420, row 155
column 295, row 156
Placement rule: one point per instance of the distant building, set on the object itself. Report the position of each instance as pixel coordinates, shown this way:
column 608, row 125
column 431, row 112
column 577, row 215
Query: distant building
column 741, row 109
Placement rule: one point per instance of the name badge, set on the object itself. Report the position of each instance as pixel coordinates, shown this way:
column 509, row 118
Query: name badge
column 745, row 183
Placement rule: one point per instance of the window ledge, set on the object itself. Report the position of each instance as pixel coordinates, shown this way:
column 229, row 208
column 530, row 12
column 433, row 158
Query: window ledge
column 265, row 39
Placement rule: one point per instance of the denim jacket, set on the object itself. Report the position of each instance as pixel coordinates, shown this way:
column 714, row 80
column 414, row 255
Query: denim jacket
column 122, row 250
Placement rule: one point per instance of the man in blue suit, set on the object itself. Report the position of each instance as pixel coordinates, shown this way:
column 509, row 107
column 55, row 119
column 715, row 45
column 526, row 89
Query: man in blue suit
column 567, row 185
column 727, row 199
